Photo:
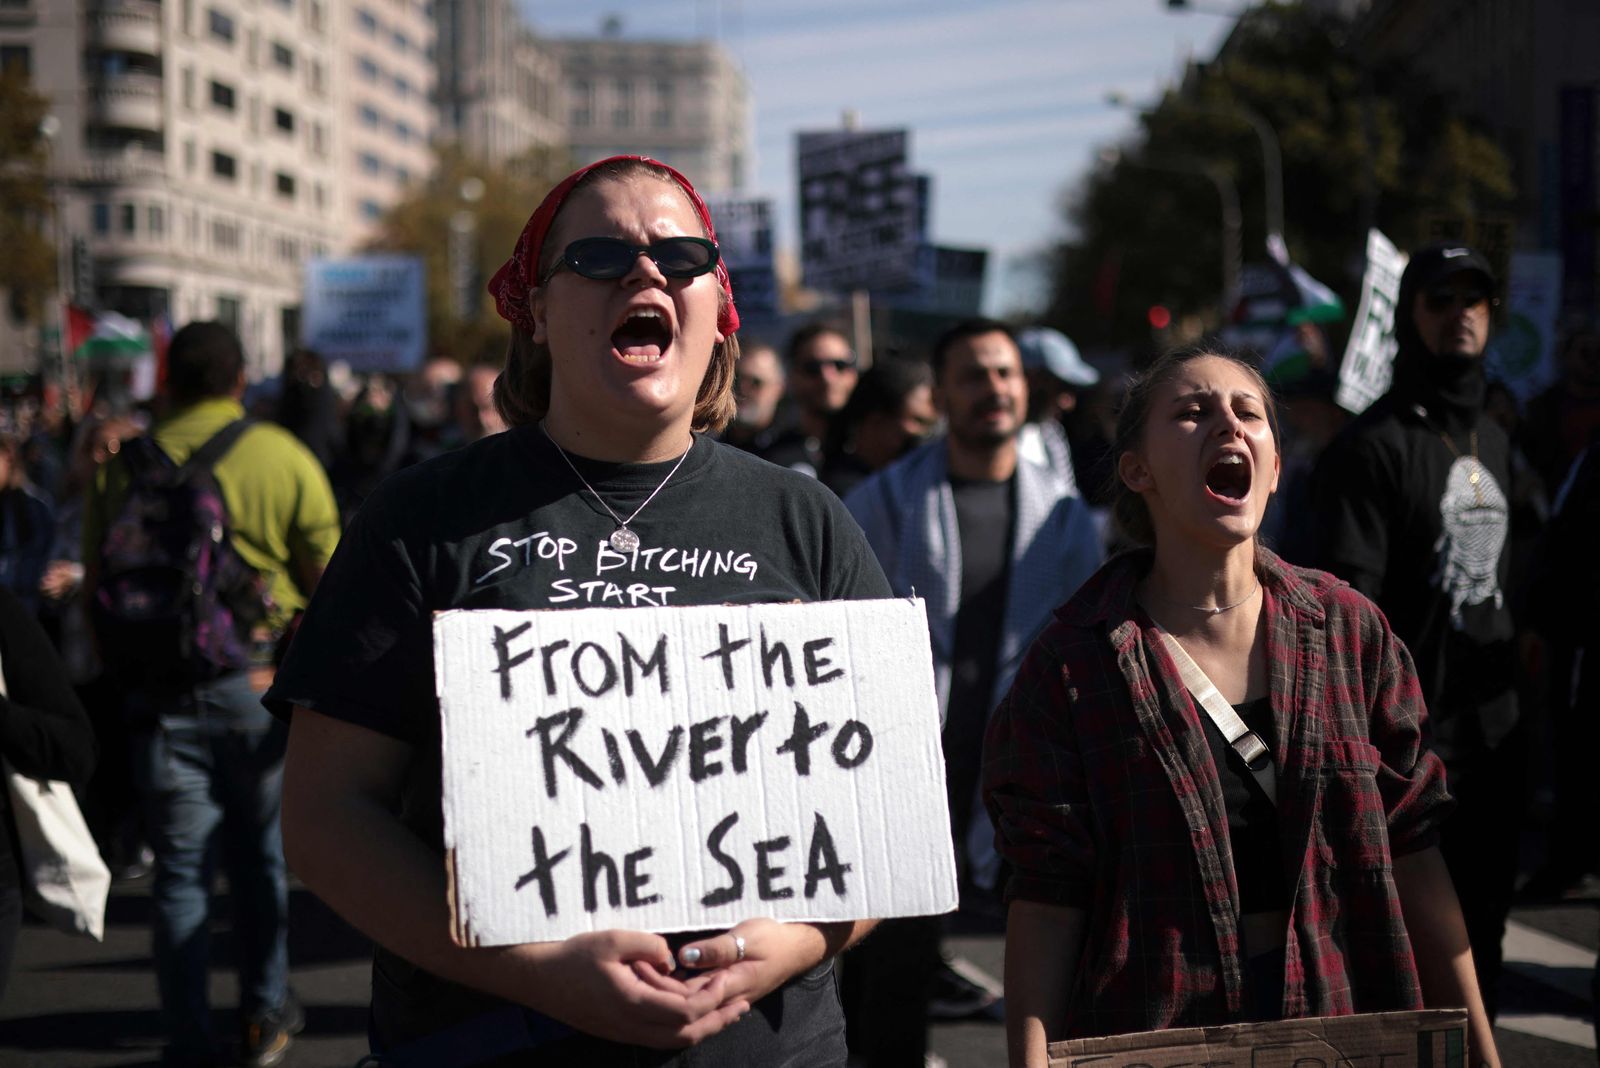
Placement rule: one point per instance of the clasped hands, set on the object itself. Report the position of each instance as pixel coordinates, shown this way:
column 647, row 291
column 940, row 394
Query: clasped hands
column 626, row 985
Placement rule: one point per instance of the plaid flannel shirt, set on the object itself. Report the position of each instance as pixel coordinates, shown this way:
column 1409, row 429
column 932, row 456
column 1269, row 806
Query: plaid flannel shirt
column 1104, row 796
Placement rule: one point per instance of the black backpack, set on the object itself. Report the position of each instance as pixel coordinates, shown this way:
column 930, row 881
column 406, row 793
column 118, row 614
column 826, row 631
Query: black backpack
column 175, row 604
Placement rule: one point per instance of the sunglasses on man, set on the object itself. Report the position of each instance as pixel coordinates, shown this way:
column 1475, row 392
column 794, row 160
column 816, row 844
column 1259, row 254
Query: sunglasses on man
column 1444, row 298
column 605, row 259
column 815, row 367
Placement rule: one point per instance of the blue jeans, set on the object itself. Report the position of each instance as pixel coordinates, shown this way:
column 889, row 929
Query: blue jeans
column 209, row 769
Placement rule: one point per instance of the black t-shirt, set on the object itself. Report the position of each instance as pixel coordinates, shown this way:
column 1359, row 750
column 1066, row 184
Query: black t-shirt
column 984, row 511
column 505, row 523
column 1252, row 817
column 1400, row 516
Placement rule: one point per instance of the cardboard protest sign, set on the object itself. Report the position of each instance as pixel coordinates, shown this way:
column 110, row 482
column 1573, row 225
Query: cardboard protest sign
column 1431, row 1038
column 677, row 769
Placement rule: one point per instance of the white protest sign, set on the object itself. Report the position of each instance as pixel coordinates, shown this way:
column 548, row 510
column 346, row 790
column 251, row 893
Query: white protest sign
column 368, row 311
column 680, row 769
column 1368, row 363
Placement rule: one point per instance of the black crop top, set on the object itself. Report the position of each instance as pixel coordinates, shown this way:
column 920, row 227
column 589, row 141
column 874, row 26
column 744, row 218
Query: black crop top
column 1252, row 818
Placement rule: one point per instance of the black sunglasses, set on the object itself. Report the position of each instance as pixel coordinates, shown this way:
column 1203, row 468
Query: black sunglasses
column 607, row 258
column 1445, row 298
column 814, row 367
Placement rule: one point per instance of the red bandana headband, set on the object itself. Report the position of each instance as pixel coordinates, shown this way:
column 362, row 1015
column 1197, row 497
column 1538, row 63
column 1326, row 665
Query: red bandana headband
column 519, row 276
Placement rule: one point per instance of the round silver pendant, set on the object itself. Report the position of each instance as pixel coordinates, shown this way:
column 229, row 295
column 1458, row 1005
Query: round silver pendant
column 624, row 540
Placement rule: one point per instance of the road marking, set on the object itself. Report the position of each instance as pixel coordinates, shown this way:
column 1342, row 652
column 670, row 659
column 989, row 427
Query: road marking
column 1569, row 1029
column 1556, row 963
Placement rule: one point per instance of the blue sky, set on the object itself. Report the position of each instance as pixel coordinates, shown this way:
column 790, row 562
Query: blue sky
column 1004, row 98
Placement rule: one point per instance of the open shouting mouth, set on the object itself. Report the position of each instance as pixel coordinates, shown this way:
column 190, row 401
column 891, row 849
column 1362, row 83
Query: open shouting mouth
column 644, row 335
column 1228, row 478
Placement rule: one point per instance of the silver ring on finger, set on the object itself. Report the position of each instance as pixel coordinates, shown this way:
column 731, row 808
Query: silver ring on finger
column 738, row 945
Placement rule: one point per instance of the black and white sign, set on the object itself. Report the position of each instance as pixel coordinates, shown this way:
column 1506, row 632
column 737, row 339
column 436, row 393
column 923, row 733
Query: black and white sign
column 672, row 769
column 744, row 235
column 860, row 211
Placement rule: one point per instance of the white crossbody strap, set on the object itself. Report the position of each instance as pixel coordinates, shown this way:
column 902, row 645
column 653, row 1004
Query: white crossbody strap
column 1244, row 741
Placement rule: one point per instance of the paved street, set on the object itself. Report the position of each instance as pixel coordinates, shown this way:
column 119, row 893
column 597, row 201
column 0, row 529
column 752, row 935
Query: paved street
column 74, row 1004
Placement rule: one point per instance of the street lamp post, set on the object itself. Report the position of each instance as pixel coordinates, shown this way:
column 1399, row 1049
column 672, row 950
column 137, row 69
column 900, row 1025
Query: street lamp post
column 1271, row 156
column 50, row 129
column 463, row 250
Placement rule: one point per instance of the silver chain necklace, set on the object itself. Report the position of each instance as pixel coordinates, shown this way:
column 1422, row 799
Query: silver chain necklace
column 1214, row 610
column 622, row 539
column 1218, row 609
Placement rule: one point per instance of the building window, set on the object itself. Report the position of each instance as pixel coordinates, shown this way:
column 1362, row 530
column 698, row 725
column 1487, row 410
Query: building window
column 224, row 166
column 314, row 15
column 402, row 88
column 102, row 218
column 582, row 103
column 224, row 236
column 366, row 22
column 319, row 196
column 367, row 69
column 370, row 164
column 222, row 96
column 16, row 59
column 130, row 218
column 661, row 118
column 369, row 116
column 316, row 77
column 402, row 43
column 402, row 132
column 371, row 210
column 283, row 119
column 156, row 220
column 188, row 157
column 286, row 185
column 319, row 145
column 221, row 25
column 188, row 87
column 228, row 312
column 622, row 112
column 402, row 176
column 282, row 55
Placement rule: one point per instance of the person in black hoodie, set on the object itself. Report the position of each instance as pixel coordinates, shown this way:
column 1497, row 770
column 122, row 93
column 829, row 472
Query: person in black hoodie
column 1411, row 504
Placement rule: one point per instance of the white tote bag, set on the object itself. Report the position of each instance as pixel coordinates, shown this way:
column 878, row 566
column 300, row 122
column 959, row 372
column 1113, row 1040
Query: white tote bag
column 64, row 881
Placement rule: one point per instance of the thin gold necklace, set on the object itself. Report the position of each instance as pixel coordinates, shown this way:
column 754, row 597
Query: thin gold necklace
column 622, row 539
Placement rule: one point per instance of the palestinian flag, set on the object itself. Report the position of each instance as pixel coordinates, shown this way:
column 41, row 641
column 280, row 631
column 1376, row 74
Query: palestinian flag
column 113, row 337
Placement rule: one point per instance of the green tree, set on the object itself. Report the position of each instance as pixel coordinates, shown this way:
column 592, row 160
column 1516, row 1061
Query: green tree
column 1361, row 146
column 28, row 268
column 421, row 224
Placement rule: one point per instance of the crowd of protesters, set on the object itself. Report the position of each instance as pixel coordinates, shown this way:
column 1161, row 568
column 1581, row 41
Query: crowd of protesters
column 1034, row 501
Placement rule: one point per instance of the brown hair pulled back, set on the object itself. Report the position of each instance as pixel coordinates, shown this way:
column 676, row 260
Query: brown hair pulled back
column 522, row 390
column 1128, row 509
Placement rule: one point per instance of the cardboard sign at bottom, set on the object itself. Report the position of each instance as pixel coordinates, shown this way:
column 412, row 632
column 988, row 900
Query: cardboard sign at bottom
column 1430, row 1038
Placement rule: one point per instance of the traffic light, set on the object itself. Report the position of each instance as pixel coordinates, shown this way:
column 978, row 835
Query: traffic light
column 1159, row 317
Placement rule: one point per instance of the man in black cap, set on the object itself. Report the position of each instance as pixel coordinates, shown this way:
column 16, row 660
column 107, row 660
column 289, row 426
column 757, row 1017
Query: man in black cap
column 1411, row 506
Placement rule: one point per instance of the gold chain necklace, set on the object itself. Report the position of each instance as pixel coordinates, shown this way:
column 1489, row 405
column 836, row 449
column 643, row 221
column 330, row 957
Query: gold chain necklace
column 1477, row 466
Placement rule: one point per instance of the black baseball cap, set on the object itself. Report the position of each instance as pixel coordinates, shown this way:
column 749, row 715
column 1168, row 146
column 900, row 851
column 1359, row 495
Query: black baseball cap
column 1434, row 263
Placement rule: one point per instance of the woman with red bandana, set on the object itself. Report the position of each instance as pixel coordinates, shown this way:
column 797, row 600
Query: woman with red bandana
column 1211, row 777
column 621, row 366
